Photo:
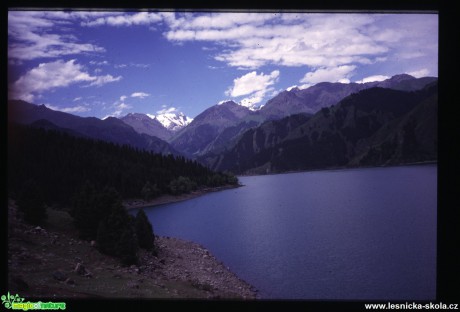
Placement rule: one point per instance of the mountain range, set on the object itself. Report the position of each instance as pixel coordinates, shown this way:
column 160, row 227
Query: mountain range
column 375, row 126
column 110, row 129
column 329, row 124
column 325, row 94
column 220, row 125
column 162, row 126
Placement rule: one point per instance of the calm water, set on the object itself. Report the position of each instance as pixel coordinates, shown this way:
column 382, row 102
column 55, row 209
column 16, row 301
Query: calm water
column 346, row 234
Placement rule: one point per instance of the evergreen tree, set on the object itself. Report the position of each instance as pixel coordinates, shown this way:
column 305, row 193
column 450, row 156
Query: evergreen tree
column 90, row 207
column 83, row 211
column 116, row 235
column 149, row 191
column 30, row 201
column 48, row 157
column 144, row 231
column 182, row 185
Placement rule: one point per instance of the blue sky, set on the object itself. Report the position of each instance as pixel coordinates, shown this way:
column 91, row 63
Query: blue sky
column 98, row 63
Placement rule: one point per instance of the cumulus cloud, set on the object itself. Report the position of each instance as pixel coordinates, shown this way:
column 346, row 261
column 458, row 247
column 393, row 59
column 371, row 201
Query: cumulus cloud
column 48, row 76
column 252, row 101
column 373, row 78
column 254, row 85
column 140, row 95
column 334, row 74
column 252, row 82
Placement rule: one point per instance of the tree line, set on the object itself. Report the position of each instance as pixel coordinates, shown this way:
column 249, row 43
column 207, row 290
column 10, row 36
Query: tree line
column 90, row 178
column 61, row 163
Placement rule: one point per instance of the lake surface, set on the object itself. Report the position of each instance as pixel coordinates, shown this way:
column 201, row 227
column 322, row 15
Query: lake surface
column 357, row 234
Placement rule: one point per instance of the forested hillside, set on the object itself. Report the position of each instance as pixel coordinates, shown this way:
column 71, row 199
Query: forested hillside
column 60, row 164
column 374, row 127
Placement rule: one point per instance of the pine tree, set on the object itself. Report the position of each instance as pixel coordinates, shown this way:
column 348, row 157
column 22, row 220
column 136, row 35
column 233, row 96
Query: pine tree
column 144, row 231
column 149, row 191
column 116, row 235
column 90, row 207
column 32, row 204
column 83, row 214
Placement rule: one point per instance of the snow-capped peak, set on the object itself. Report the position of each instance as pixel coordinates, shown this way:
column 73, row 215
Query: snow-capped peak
column 172, row 121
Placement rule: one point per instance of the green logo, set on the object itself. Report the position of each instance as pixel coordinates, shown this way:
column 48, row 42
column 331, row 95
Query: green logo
column 17, row 303
column 8, row 300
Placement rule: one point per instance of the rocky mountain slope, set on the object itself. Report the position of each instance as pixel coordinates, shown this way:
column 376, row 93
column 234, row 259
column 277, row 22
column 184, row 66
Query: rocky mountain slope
column 376, row 126
column 202, row 131
column 325, row 94
column 142, row 123
column 217, row 128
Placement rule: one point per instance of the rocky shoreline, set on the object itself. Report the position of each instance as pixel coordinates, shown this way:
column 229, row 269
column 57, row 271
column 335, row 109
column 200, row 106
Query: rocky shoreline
column 51, row 261
column 188, row 261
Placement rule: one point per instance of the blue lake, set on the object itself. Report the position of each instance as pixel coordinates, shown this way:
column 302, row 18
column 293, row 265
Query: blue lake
column 357, row 234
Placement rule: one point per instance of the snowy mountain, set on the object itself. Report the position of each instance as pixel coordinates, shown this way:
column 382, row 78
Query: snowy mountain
column 145, row 124
column 207, row 126
column 172, row 121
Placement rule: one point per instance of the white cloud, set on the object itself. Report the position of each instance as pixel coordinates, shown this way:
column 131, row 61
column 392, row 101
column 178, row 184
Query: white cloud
column 253, row 40
column 74, row 109
column 30, row 37
column 102, row 80
column 123, row 106
column 48, row 76
column 167, row 110
column 99, row 63
column 119, row 109
column 137, row 65
column 141, row 18
column 77, row 99
column 373, row 78
column 218, row 20
column 256, row 86
column 252, row 82
column 140, row 95
column 123, row 98
column 305, row 39
column 332, row 74
column 223, row 101
column 252, row 101
column 419, row 73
